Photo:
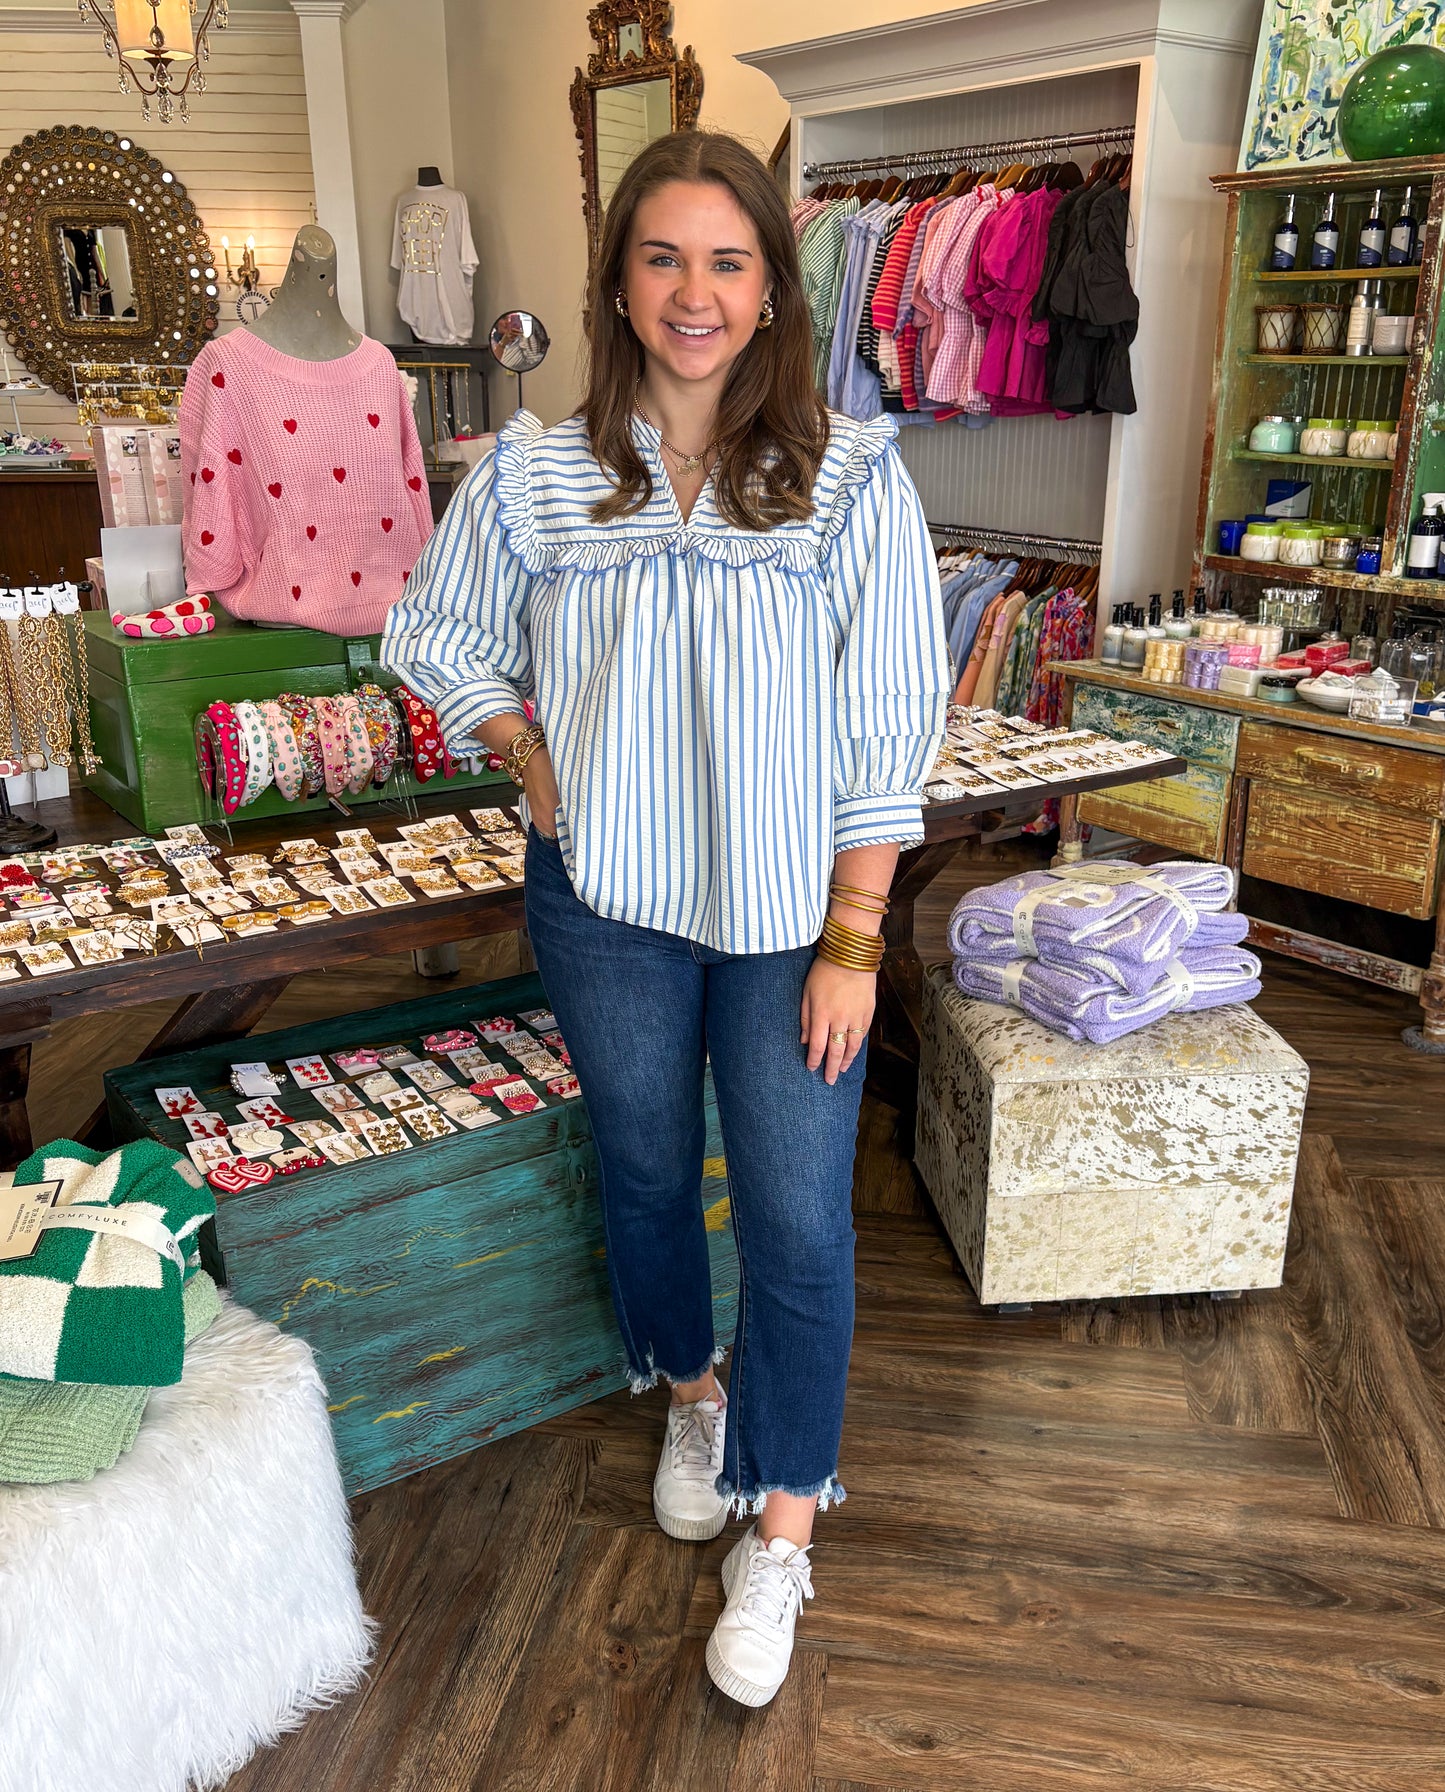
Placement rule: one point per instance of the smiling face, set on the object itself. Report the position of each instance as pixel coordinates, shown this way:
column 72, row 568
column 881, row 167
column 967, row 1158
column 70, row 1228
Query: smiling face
column 694, row 278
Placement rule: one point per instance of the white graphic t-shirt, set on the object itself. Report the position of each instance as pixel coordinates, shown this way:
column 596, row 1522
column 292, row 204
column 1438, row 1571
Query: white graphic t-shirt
column 432, row 246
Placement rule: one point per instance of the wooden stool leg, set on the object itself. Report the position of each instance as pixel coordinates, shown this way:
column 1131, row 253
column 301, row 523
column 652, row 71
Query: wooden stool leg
column 15, row 1140
column 1071, row 832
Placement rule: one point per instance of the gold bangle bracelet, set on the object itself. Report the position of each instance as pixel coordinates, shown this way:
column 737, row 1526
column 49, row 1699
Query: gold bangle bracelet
column 841, row 890
column 865, row 905
column 848, row 948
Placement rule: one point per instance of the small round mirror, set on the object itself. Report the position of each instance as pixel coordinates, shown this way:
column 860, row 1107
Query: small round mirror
column 519, row 341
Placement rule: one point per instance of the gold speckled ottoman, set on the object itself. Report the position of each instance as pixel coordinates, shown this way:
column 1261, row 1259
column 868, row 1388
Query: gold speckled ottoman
column 1161, row 1164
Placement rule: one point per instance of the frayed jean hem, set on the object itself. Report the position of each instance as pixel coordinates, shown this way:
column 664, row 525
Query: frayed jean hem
column 749, row 1505
column 643, row 1381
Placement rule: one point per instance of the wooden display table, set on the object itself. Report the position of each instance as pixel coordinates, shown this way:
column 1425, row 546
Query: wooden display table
column 224, row 990
column 1294, row 796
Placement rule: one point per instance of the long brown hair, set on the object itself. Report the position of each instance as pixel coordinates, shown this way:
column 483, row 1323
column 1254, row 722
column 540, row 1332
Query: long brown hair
column 772, row 427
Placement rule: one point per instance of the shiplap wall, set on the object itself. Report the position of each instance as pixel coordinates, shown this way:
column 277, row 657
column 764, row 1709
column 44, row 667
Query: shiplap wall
column 245, row 156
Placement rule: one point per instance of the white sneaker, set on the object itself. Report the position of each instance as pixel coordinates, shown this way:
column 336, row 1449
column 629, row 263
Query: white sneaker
column 752, row 1642
column 692, row 1457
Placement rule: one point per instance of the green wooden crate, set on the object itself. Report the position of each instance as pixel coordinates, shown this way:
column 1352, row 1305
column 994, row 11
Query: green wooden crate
column 145, row 696
column 453, row 1293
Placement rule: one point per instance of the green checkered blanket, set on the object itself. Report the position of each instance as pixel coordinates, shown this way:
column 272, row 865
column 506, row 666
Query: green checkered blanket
column 106, row 1306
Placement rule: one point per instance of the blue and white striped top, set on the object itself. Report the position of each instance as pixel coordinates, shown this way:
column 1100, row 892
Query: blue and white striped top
column 725, row 709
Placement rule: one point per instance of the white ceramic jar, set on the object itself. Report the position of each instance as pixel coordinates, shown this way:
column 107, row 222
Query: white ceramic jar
column 1324, row 436
column 1371, row 441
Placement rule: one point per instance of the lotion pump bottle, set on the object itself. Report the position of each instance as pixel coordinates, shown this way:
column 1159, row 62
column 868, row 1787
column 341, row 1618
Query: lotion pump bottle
column 1155, row 630
column 1178, row 627
column 1136, row 639
column 1112, row 644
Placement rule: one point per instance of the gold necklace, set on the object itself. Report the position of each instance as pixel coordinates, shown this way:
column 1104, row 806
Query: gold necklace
column 686, row 463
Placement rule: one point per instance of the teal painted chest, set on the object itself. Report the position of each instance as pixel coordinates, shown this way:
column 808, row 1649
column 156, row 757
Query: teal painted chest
column 453, row 1292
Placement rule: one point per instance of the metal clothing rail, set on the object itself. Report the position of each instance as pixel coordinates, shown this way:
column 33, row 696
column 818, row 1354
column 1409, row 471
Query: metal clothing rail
column 1007, row 149
column 1044, row 547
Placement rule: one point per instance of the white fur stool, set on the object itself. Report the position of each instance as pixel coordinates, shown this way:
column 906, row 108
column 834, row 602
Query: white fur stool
column 160, row 1623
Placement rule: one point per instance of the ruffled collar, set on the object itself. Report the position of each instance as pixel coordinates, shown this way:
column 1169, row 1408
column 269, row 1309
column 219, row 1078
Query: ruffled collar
column 547, row 481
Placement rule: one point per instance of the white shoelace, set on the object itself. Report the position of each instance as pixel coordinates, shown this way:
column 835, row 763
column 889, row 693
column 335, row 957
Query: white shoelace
column 776, row 1588
column 694, row 1436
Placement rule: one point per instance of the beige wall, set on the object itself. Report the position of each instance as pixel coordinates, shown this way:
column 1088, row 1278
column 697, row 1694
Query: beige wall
column 396, row 88
column 520, row 150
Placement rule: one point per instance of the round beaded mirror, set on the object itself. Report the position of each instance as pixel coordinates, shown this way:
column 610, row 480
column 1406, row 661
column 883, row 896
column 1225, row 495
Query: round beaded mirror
column 104, row 256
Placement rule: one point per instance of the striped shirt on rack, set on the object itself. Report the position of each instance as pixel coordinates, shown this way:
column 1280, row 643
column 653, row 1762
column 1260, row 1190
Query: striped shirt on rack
column 726, row 710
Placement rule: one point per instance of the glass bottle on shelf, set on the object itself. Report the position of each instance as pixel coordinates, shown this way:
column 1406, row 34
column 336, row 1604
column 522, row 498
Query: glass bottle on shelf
column 1366, row 644
column 1325, row 250
column 1404, row 233
column 1395, row 653
column 1285, row 249
column 1370, row 249
column 1422, row 559
column 1333, row 632
column 1423, row 659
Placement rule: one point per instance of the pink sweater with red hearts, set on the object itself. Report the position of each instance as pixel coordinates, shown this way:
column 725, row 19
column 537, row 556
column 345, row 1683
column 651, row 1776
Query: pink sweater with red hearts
column 305, row 493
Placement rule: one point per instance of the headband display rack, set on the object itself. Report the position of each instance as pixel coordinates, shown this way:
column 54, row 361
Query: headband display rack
column 1009, row 149
column 1047, row 547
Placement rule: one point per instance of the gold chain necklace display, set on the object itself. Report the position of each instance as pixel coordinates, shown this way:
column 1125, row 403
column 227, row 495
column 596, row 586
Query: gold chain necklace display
column 44, row 678
column 686, row 463
column 80, row 700
column 23, row 694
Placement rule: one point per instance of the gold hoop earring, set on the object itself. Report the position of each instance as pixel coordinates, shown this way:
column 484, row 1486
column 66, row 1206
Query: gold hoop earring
column 621, row 303
column 765, row 317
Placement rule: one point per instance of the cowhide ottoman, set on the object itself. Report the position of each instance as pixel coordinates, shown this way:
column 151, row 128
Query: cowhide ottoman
column 1161, row 1164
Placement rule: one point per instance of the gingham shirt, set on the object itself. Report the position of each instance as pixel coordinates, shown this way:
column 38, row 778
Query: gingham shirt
column 958, row 352
column 725, row 710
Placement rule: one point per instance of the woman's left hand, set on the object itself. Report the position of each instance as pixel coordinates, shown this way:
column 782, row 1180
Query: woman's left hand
column 836, row 1002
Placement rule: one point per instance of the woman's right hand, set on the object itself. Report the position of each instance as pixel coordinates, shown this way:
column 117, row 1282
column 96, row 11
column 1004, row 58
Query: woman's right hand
column 540, row 783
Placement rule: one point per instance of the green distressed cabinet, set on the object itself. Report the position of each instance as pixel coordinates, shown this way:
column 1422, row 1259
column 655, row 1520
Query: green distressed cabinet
column 1189, row 812
column 1374, row 497
column 145, row 696
column 452, row 1293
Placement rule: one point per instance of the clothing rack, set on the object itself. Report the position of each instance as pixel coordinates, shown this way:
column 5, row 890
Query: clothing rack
column 1013, row 541
column 935, row 161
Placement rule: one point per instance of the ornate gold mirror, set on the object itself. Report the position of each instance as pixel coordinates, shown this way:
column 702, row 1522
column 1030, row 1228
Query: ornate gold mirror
column 104, row 256
column 636, row 87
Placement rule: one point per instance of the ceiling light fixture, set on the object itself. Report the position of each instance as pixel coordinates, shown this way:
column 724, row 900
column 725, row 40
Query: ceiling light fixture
column 160, row 45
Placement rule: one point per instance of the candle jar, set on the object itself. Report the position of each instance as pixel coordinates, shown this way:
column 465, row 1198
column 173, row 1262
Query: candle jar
column 1272, row 435
column 1276, row 328
column 1324, row 437
column 1391, row 334
column 1368, row 558
column 1260, row 541
column 1323, row 327
column 1301, row 544
column 1371, row 441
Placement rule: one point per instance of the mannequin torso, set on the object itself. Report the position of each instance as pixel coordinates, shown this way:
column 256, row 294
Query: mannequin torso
column 304, row 318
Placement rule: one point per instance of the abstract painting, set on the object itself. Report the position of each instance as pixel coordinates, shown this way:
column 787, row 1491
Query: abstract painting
column 1308, row 49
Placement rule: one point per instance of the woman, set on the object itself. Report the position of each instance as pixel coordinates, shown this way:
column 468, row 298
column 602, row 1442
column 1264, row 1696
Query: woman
column 724, row 602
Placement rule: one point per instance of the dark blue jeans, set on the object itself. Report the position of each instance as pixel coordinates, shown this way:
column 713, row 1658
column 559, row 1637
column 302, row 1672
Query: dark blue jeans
column 641, row 1012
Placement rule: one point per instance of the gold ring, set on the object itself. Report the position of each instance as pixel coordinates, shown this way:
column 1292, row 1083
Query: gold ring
column 839, row 1038
column 857, row 1029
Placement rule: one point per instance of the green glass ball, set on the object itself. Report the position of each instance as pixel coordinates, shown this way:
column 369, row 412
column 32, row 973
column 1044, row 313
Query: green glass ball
column 1394, row 105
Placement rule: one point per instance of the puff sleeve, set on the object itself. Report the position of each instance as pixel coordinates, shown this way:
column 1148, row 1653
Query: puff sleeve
column 893, row 675
column 459, row 632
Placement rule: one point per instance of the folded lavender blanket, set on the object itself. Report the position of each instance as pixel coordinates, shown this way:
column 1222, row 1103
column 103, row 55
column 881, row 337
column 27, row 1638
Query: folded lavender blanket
column 1141, row 916
column 1228, row 929
column 1084, row 1004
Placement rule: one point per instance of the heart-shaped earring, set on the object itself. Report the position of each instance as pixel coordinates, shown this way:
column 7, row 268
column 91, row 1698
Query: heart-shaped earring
column 239, row 1174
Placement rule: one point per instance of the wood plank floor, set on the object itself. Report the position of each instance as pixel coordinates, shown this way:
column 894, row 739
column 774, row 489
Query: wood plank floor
column 1158, row 1544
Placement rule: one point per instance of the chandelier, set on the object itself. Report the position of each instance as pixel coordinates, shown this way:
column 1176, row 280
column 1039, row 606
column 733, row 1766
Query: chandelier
column 160, row 45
